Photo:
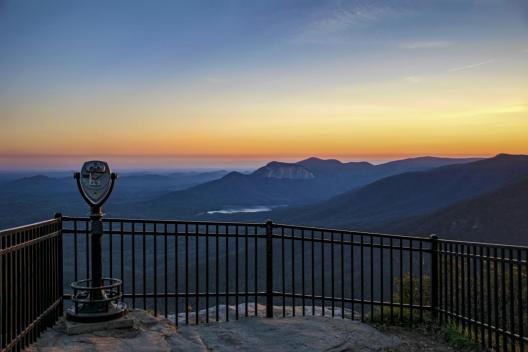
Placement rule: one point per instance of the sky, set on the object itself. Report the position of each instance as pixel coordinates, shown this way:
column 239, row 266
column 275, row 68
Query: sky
column 238, row 83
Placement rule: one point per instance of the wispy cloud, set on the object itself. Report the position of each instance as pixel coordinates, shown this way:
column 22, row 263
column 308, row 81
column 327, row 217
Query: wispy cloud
column 421, row 78
column 470, row 66
column 428, row 44
column 328, row 23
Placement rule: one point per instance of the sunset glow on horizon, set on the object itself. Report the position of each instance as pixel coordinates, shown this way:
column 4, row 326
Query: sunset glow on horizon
column 168, row 84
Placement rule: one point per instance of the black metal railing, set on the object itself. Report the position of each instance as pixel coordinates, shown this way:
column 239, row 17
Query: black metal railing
column 193, row 272
column 483, row 291
column 31, row 288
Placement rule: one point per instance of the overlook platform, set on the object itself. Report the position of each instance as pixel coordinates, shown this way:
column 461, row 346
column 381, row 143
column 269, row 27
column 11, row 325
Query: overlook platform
column 309, row 333
column 235, row 286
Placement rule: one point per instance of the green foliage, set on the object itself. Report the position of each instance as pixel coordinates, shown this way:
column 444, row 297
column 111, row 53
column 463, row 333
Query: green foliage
column 405, row 288
column 458, row 340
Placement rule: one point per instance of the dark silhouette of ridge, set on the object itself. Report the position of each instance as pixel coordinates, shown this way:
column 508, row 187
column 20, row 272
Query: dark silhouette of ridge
column 410, row 194
column 496, row 216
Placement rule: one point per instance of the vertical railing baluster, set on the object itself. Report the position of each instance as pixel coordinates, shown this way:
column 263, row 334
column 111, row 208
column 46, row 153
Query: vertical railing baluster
column 457, row 285
column 362, row 287
column 503, row 290
column 520, row 310
column 122, row 255
column 313, row 271
column 332, row 260
column 155, row 267
column 16, row 282
column 352, row 281
column 342, row 275
column 246, row 268
column 75, row 250
column 512, row 301
column 3, row 295
column 197, row 273
column 144, row 262
column 110, row 248
column 463, row 290
column 256, row 270
column 445, row 257
column 420, row 280
column 322, row 274
column 207, row 273
column 166, row 270
column 470, row 294
column 481, row 291
column 381, row 279
column 436, row 284
column 496, row 297
column 87, row 247
column 401, row 281
column 391, row 280
column 269, row 269
column 217, row 272
column 283, row 273
column 475, row 314
column 186, row 298
column 293, row 269
column 236, row 272
column 176, row 274
column 488, row 295
column 227, row 271
column 372, row 277
column 133, row 226
column 303, row 275
column 451, row 278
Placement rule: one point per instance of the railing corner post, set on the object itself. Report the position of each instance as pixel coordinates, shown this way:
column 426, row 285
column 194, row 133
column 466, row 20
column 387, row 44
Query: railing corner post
column 434, row 276
column 269, row 269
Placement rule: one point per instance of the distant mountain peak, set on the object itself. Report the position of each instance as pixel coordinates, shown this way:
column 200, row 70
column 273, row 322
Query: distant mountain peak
column 510, row 156
column 233, row 174
column 316, row 160
column 33, row 179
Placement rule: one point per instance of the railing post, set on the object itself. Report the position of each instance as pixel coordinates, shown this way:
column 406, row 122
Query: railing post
column 269, row 269
column 434, row 276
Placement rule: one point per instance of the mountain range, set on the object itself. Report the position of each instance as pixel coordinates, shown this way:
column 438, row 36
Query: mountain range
column 282, row 184
column 471, row 199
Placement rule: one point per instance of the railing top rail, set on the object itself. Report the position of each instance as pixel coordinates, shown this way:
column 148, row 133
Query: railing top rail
column 351, row 232
column 12, row 230
column 484, row 244
column 260, row 224
column 165, row 221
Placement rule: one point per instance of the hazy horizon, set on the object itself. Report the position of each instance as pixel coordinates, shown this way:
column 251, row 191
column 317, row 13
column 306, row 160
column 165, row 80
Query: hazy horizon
column 138, row 164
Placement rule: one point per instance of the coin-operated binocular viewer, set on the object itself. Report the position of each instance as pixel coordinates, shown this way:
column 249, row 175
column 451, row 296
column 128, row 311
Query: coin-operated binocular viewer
column 96, row 299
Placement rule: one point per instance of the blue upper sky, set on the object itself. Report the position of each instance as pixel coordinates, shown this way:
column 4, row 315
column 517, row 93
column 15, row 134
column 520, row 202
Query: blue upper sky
column 60, row 60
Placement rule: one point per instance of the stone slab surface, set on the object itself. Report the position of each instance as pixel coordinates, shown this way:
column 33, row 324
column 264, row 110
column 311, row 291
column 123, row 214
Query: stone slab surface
column 152, row 334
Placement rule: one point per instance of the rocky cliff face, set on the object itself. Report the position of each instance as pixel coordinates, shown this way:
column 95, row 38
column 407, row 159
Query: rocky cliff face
column 284, row 171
